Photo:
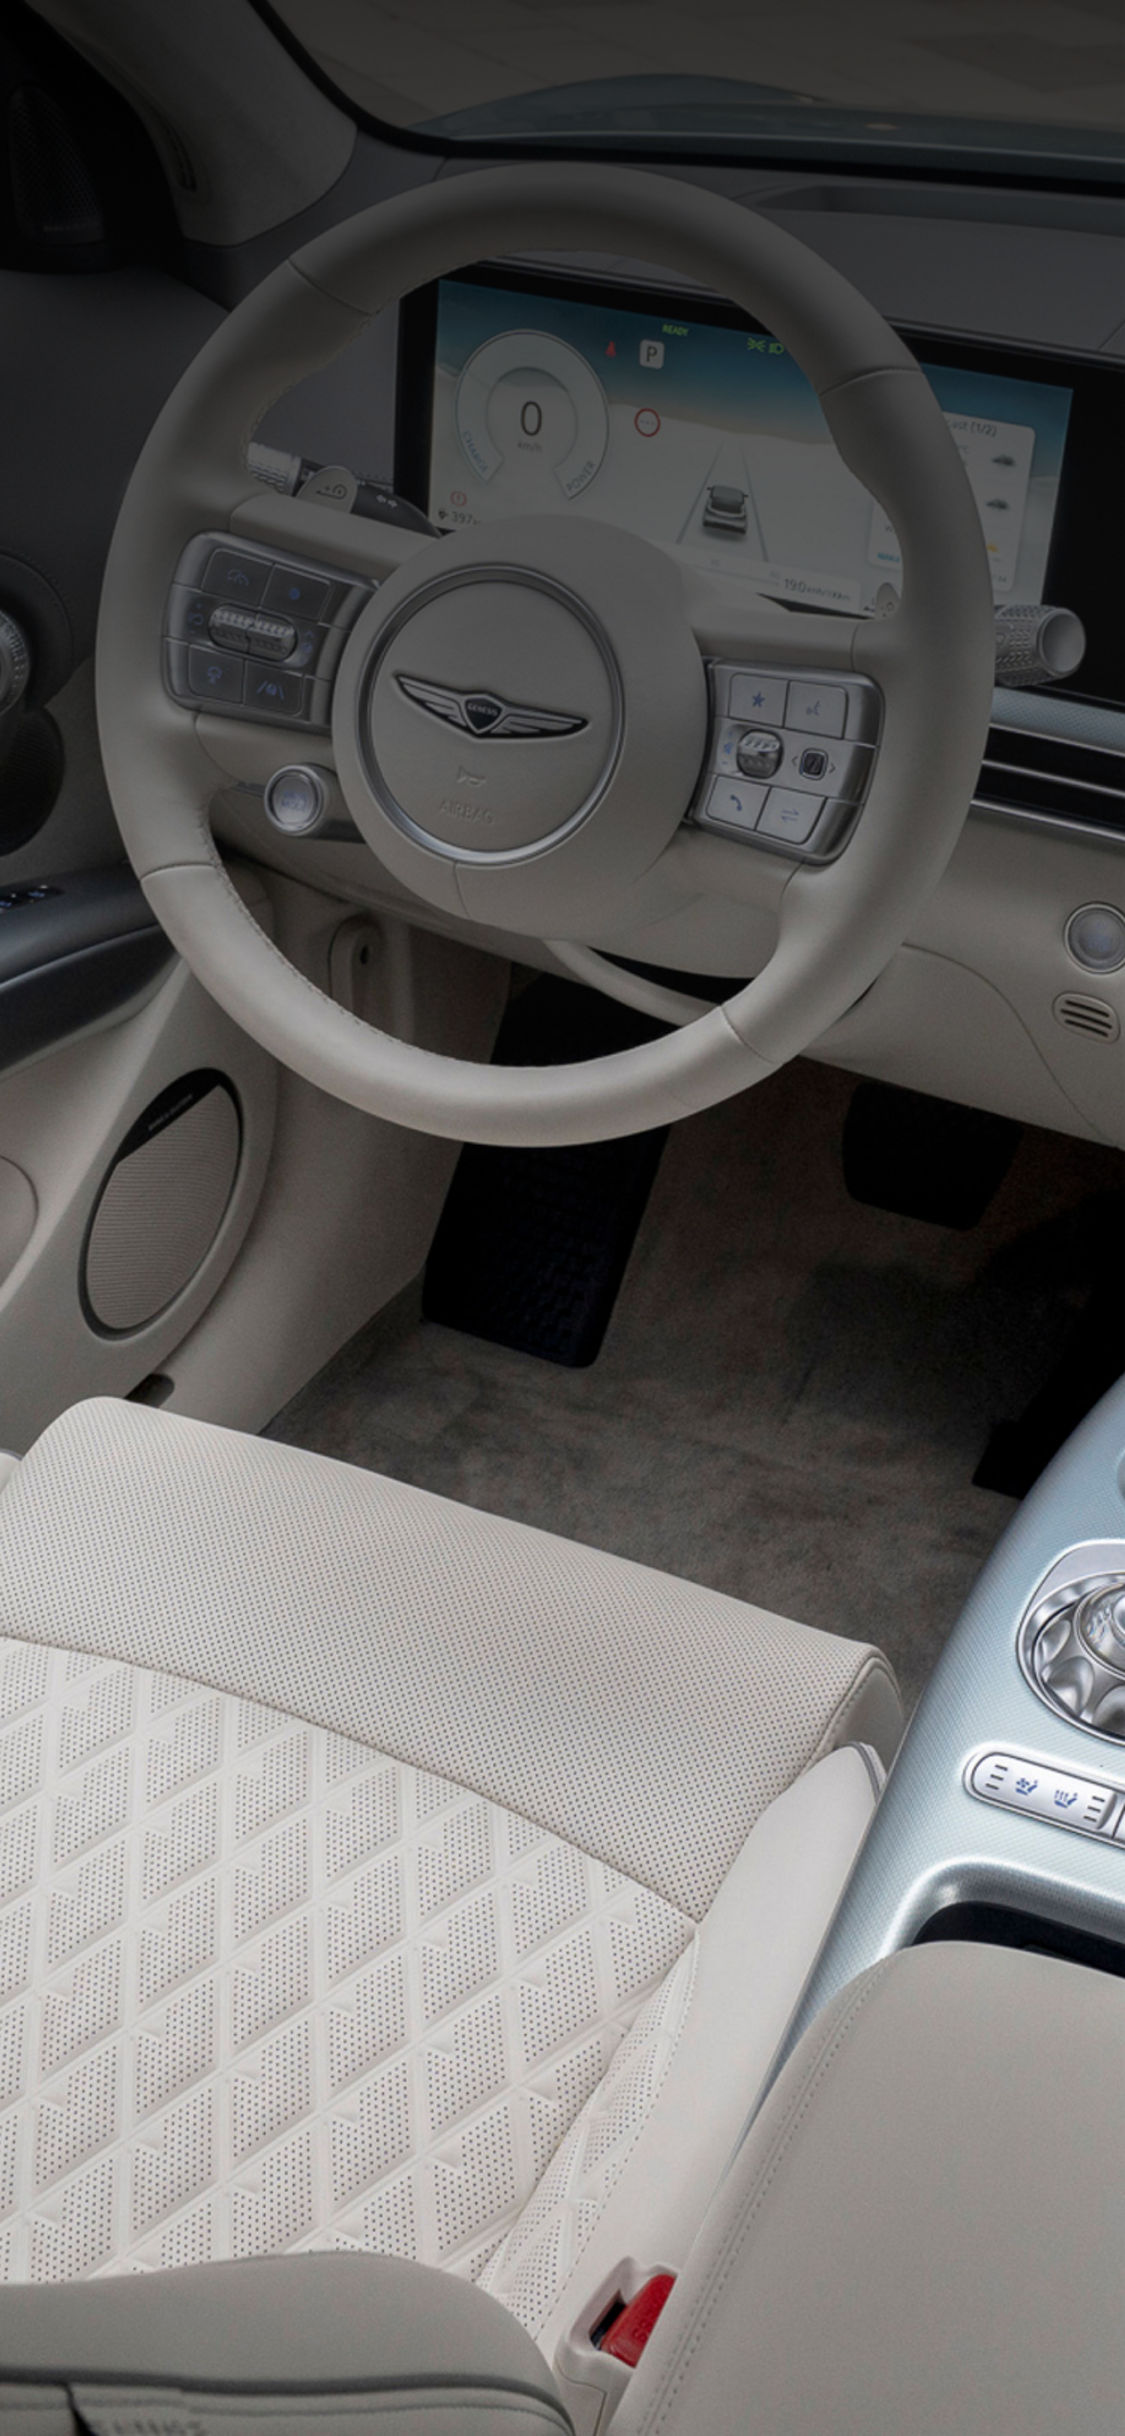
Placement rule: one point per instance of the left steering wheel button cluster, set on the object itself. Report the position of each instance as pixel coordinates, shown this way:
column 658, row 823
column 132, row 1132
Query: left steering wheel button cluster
column 255, row 636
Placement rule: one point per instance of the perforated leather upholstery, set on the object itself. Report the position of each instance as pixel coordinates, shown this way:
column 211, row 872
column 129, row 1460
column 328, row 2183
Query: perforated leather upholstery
column 348, row 1840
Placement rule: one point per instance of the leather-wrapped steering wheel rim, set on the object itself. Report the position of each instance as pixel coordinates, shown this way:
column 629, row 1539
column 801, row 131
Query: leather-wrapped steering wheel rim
column 932, row 662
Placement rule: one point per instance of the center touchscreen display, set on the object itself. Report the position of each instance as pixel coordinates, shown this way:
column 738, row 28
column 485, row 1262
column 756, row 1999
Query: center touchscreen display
column 708, row 438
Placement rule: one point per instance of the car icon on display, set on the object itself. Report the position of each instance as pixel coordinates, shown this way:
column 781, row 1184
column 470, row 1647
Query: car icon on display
column 725, row 509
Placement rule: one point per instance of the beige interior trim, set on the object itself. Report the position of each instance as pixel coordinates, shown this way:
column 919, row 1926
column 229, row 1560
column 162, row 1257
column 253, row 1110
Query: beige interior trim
column 411, row 2349
column 924, row 2227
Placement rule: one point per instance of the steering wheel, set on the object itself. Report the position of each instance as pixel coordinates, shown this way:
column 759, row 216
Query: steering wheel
column 520, row 716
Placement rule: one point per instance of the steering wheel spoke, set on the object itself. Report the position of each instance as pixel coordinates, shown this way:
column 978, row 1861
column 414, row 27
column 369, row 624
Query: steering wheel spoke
column 300, row 529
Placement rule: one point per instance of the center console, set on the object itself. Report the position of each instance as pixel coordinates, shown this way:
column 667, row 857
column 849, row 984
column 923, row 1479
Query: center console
column 1004, row 1816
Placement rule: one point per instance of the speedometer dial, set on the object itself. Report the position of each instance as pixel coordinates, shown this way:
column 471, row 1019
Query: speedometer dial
column 530, row 404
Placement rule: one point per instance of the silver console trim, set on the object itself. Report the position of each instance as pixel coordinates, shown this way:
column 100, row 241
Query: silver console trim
column 933, row 1843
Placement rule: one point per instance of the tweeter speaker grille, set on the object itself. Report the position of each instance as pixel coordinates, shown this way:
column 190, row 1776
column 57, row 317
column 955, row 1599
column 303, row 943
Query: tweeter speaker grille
column 162, row 1203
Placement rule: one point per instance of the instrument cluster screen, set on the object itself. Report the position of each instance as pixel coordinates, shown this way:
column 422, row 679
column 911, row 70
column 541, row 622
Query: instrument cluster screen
column 706, row 437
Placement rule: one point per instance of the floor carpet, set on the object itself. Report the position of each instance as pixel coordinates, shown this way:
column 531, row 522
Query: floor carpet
column 794, row 1390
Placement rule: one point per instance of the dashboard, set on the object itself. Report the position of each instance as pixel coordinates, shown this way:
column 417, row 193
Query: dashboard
column 494, row 391
column 689, row 424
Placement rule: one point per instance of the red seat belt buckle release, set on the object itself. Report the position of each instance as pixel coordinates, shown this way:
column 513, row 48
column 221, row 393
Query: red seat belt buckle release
column 628, row 2332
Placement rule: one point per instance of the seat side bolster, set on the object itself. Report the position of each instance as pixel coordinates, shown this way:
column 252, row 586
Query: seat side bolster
column 870, row 1712
column 755, row 1949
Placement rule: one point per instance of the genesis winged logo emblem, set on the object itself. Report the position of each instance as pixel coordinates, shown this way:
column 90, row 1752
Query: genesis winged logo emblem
column 480, row 714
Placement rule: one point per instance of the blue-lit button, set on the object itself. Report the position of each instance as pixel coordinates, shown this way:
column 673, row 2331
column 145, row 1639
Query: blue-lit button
column 757, row 697
column 734, row 805
column 269, row 688
column 293, row 594
column 235, row 576
column 194, row 616
column 216, row 676
column 305, row 650
column 790, row 816
column 823, row 708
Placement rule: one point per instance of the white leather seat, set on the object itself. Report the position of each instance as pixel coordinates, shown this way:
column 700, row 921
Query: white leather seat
column 383, row 1875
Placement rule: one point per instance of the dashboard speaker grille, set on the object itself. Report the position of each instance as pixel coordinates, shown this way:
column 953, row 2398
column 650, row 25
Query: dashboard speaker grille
column 1089, row 1015
column 1053, row 778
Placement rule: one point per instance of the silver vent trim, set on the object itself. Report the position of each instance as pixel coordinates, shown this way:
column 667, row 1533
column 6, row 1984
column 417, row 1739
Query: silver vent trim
column 1061, row 782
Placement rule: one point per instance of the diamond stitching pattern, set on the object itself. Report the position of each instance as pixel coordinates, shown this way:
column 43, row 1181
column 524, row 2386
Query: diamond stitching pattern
column 262, row 1987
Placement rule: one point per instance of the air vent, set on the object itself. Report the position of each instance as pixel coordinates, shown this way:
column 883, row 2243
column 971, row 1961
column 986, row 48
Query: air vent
column 1053, row 778
column 1089, row 1015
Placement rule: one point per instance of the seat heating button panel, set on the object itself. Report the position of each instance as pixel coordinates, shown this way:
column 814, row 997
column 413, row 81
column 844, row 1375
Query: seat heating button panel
column 1015, row 1781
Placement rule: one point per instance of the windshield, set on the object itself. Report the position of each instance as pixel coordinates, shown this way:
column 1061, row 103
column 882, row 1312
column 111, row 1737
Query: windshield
column 1046, row 78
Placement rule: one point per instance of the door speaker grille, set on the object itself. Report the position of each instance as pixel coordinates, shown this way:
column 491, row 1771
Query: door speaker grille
column 162, row 1203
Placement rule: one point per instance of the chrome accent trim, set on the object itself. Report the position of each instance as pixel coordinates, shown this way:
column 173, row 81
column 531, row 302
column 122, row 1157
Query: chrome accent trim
column 1089, row 786
column 1054, row 821
column 501, row 719
column 1105, row 1829
column 1050, row 1607
column 1050, row 735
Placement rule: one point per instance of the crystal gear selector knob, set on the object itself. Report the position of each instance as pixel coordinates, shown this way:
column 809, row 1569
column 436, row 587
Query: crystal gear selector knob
column 1099, row 1620
column 1072, row 1651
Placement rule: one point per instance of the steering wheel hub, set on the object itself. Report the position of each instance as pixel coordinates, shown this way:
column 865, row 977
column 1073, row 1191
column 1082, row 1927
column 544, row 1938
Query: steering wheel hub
column 520, row 719
column 490, row 714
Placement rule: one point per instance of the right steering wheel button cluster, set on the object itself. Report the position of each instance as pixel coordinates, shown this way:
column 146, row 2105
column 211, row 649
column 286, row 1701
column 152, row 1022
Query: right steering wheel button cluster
column 790, row 758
